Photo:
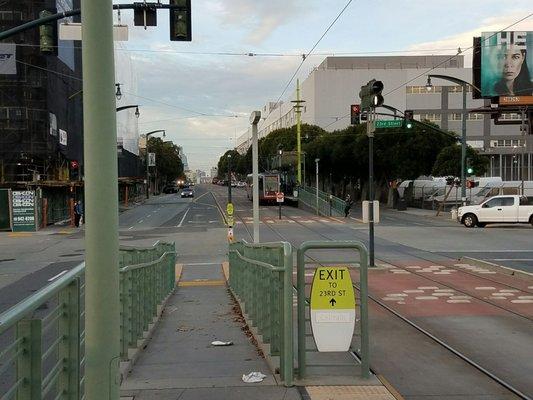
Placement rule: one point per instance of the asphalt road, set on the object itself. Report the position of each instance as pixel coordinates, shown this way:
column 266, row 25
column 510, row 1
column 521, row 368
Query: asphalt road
column 32, row 261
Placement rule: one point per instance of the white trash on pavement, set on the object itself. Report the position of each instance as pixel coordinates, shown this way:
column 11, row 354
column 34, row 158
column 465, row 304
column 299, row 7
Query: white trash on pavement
column 253, row 377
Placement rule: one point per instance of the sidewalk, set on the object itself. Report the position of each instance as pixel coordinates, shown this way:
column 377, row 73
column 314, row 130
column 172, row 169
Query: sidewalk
column 180, row 362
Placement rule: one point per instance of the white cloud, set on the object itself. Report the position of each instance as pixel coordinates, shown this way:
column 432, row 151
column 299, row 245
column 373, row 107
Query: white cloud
column 464, row 39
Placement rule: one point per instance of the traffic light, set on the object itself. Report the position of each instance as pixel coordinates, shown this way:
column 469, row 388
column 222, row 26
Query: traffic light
column 180, row 21
column 408, row 115
column 48, row 34
column 469, row 167
column 370, row 95
column 74, row 170
column 355, row 112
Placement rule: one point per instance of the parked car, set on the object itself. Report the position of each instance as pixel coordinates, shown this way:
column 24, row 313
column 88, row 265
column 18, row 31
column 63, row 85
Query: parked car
column 170, row 189
column 187, row 192
column 497, row 209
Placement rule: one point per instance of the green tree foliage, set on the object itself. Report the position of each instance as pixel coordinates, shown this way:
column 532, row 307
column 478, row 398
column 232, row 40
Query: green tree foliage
column 399, row 153
column 168, row 163
column 449, row 161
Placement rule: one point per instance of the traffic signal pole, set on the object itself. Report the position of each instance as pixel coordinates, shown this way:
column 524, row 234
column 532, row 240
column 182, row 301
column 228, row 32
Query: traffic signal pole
column 370, row 133
column 102, row 325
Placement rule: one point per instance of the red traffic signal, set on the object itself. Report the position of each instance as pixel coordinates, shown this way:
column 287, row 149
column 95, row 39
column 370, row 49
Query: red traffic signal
column 74, row 165
column 355, row 111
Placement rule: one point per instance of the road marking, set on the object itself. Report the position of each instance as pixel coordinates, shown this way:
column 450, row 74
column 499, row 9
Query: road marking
column 141, row 221
column 183, row 219
column 458, row 301
column 149, row 215
column 130, row 228
column 485, row 288
column 53, row 278
column 427, row 287
column 426, row 298
column 525, row 297
column 512, row 259
column 522, row 301
column 201, row 283
column 481, row 251
column 413, row 291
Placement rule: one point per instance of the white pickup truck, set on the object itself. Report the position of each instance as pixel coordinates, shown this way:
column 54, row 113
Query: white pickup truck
column 497, row 210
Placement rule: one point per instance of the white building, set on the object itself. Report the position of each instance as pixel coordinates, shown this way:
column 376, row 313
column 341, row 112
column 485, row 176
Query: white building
column 334, row 85
column 214, row 172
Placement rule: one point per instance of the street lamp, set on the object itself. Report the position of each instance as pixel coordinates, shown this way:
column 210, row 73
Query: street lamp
column 147, row 161
column 118, row 93
column 136, row 106
column 463, row 85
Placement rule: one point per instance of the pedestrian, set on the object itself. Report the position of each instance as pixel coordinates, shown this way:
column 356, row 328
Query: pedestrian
column 78, row 212
column 348, row 205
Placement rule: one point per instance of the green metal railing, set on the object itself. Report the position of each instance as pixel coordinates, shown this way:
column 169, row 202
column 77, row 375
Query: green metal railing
column 328, row 206
column 43, row 336
column 261, row 279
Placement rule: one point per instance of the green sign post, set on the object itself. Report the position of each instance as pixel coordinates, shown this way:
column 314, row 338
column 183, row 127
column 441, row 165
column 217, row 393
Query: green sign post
column 24, row 217
column 392, row 123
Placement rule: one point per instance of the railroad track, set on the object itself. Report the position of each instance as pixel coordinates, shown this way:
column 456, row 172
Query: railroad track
column 405, row 319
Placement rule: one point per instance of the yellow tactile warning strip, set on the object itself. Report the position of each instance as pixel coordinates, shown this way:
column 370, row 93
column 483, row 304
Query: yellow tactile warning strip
column 225, row 270
column 349, row 393
column 201, row 282
column 19, row 234
column 178, row 268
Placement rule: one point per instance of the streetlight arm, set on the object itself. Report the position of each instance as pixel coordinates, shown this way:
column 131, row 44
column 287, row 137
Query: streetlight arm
column 454, row 80
column 127, row 107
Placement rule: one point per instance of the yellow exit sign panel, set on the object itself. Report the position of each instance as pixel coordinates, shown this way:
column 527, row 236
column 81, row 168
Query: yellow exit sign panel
column 332, row 289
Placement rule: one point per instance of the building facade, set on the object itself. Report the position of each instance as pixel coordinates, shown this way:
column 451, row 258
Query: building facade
column 41, row 132
column 334, row 85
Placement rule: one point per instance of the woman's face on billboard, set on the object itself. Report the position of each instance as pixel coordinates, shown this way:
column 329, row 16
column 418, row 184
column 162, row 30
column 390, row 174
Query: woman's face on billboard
column 510, row 62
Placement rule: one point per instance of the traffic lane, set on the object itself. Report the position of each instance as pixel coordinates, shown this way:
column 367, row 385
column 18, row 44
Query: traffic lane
column 516, row 259
column 202, row 211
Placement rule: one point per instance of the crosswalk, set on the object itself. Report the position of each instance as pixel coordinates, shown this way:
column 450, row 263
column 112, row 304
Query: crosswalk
column 296, row 219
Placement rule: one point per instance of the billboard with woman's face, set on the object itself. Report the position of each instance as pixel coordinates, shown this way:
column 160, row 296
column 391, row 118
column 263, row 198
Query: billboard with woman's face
column 506, row 64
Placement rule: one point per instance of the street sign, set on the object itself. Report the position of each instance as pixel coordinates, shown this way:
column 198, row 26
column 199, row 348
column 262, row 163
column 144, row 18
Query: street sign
column 151, row 159
column 392, row 123
column 229, row 209
column 280, row 197
column 332, row 309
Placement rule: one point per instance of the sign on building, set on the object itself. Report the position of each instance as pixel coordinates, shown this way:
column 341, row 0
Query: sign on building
column 332, row 309
column 24, row 211
column 63, row 137
column 151, row 159
column 8, row 59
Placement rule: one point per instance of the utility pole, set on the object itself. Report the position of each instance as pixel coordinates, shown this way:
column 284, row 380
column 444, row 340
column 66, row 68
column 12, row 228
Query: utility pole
column 298, row 110
column 280, row 153
column 102, row 308
column 255, row 117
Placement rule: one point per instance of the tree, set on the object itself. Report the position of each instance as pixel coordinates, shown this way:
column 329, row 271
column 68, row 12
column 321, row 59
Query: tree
column 449, row 161
column 169, row 166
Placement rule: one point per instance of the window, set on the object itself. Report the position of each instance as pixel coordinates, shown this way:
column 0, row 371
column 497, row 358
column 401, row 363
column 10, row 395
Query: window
column 454, row 117
column 432, row 117
column 422, row 89
column 507, row 201
column 475, row 116
column 493, row 203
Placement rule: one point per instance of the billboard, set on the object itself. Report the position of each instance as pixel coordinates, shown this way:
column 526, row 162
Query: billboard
column 506, row 64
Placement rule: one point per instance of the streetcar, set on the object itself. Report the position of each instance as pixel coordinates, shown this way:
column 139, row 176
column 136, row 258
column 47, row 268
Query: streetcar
column 268, row 187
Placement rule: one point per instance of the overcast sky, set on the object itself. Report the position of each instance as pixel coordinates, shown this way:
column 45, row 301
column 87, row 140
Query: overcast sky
column 195, row 97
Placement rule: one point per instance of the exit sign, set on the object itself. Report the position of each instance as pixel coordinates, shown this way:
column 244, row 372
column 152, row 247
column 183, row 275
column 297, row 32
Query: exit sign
column 393, row 123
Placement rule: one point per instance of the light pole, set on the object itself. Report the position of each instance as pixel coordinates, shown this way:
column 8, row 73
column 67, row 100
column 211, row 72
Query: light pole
column 280, row 153
column 463, row 84
column 136, row 106
column 148, row 161
column 316, row 169
column 255, row 117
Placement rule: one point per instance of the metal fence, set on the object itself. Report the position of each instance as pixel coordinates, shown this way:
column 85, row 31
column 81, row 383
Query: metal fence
column 327, row 205
column 43, row 337
column 261, row 279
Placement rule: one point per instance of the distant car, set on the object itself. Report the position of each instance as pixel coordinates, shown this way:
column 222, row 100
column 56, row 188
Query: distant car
column 187, row 192
column 170, row 189
column 241, row 184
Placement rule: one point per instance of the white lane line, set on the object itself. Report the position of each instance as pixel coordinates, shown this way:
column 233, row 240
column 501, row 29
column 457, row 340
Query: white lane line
column 524, row 301
column 513, row 259
column 149, row 215
column 53, row 278
column 183, row 219
column 130, row 228
column 482, row 251
column 141, row 221
column 485, row 288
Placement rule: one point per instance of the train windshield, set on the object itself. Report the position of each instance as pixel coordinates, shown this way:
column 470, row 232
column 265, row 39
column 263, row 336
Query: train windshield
column 271, row 183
